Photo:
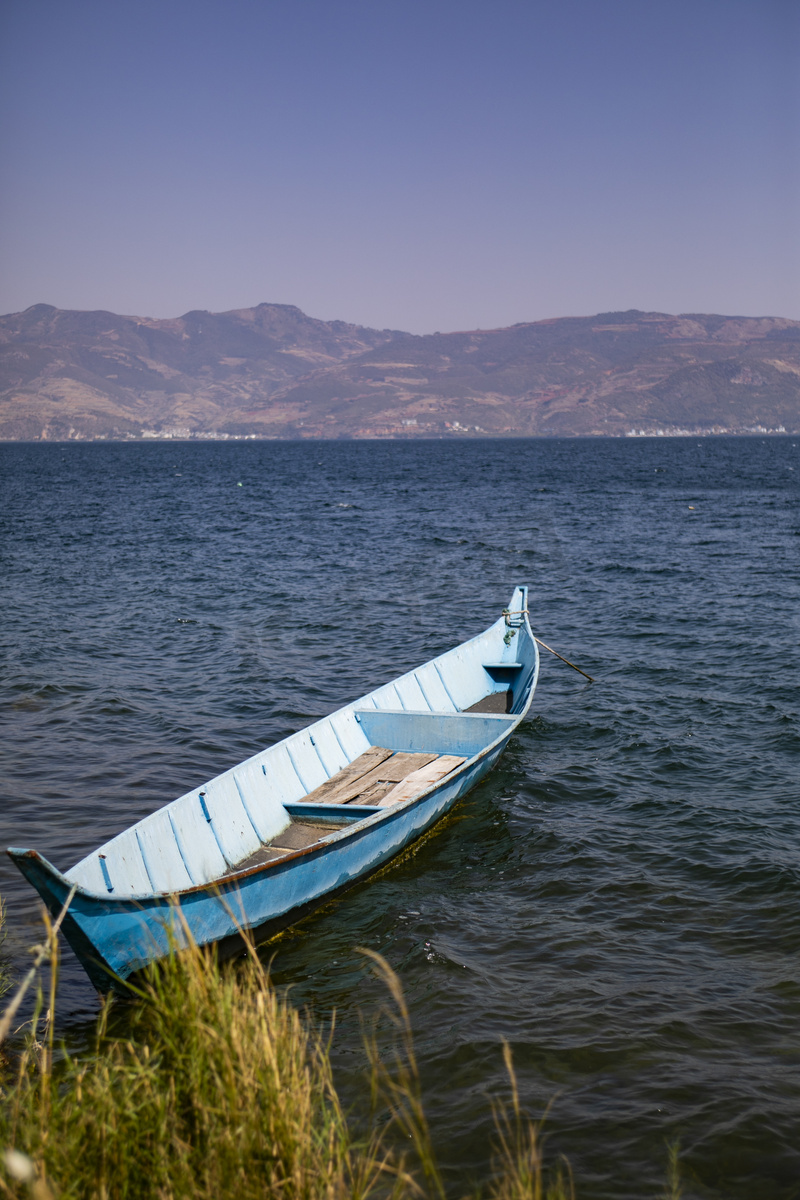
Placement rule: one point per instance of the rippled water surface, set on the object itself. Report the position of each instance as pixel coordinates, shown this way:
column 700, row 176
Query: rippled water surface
column 620, row 899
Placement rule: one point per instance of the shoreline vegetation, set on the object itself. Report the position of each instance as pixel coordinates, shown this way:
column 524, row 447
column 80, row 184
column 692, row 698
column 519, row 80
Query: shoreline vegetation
column 220, row 1089
column 4, row 979
column 3, row 976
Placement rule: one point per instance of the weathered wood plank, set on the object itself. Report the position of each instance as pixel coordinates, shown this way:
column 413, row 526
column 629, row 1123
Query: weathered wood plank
column 496, row 702
column 296, row 836
column 399, row 765
column 299, row 835
column 375, row 793
column 418, row 780
column 264, row 854
column 392, row 770
column 328, row 793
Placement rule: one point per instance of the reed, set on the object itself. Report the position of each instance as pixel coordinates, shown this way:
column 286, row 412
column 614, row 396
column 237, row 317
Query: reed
column 219, row 1088
column 520, row 1166
column 4, row 980
column 674, row 1188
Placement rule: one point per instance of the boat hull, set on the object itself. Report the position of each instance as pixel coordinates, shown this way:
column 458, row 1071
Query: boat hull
column 183, row 871
column 115, row 939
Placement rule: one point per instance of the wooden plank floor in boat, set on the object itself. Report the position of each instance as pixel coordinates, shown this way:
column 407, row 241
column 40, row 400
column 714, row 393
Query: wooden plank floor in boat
column 377, row 777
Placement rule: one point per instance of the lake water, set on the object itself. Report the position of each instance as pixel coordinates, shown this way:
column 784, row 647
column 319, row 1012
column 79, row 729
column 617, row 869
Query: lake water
column 620, row 899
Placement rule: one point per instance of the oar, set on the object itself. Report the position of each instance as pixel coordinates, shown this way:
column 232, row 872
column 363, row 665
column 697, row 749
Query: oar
column 566, row 660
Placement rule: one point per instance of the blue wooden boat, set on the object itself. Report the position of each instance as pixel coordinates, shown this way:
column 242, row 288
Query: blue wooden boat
column 259, row 846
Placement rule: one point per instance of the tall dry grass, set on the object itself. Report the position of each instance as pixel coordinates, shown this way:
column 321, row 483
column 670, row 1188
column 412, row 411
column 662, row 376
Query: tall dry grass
column 4, row 979
column 221, row 1090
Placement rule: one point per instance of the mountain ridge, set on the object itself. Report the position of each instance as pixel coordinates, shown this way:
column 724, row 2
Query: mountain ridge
column 272, row 371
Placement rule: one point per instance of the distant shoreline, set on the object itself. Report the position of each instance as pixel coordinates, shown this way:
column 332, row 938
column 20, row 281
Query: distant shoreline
column 407, row 439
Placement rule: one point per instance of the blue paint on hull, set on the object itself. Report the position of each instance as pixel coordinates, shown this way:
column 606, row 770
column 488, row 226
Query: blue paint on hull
column 114, row 937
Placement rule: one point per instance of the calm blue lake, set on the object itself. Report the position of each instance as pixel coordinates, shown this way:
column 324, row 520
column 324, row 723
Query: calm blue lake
column 620, row 900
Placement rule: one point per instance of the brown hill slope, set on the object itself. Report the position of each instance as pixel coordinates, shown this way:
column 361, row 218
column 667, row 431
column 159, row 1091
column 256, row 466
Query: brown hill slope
column 99, row 374
column 272, row 371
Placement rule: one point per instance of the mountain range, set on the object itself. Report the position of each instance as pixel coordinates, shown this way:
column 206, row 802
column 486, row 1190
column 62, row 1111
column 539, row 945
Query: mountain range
column 271, row 371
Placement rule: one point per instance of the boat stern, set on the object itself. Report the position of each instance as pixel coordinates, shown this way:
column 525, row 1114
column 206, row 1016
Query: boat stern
column 56, row 891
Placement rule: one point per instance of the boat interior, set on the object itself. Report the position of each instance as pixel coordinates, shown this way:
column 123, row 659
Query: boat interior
column 377, row 752
column 378, row 778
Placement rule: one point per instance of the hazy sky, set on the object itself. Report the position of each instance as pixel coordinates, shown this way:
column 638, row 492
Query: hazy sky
column 414, row 164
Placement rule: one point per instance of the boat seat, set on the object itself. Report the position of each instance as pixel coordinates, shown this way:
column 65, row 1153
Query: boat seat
column 463, row 733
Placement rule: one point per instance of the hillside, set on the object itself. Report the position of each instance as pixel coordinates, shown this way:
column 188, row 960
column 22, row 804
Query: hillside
column 99, row 374
column 272, row 371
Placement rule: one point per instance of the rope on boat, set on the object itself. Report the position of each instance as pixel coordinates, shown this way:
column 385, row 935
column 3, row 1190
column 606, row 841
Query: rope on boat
column 566, row 660
column 511, row 631
column 523, row 612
